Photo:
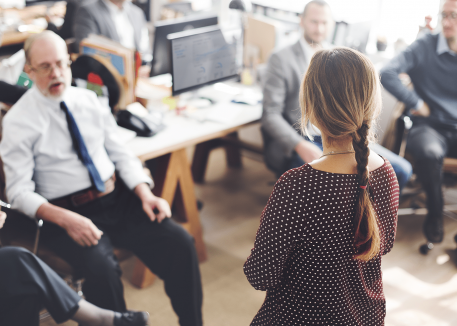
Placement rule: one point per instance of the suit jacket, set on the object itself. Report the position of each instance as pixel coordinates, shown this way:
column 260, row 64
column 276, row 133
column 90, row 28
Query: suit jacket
column 281, row 109
column 95, row 18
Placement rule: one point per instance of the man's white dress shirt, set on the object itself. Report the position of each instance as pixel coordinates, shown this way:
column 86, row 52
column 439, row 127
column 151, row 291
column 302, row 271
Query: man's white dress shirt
column 40, row 162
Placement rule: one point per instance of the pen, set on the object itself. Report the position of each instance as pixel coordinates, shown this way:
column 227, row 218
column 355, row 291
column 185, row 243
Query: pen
column 2, row 203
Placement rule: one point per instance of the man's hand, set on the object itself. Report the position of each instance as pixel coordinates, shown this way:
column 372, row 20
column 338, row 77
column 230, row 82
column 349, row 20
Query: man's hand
column 2, row 218
column 308, row 151
column 151, row 203
column 82, row 230
column 79, row 228
column 423, row 111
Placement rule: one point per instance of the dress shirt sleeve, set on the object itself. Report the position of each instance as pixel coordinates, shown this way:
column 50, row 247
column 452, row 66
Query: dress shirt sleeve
column 127, row 165
column 275, row 238
column 16, row 150
column 83, row 25
column 403, row 63
column 274, row 100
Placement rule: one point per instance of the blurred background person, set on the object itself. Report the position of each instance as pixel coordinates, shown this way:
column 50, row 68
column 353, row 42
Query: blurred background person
column 285, row 147
column 431, row 63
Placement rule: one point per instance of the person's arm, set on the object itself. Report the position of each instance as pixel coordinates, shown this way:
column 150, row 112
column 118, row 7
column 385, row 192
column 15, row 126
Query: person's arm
column 2, row 218
column 275, row 237
column 131, row 171
column 84, row 24
column 274, row 99
column 403, row 63
column 19, row 164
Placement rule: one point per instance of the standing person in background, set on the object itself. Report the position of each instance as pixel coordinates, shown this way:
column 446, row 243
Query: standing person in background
column 318, row 249
column 285, row 147
column 27, row 284
column 431, row 63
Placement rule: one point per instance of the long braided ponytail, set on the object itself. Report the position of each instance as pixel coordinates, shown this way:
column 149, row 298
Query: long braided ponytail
column 341, row 95
column 366, row 232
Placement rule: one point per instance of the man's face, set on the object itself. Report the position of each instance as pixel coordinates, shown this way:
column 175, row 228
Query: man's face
column 317, row 23
column 48, row 67
column 449, row 19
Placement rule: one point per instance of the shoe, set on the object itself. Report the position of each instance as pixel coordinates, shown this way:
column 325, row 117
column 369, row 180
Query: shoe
column 433, row 229
column 131, row 318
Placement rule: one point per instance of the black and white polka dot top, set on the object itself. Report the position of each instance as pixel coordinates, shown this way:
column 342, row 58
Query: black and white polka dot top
column 303, row 251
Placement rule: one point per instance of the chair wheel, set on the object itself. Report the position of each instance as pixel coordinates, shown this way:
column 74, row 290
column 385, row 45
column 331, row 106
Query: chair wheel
column 425, row 248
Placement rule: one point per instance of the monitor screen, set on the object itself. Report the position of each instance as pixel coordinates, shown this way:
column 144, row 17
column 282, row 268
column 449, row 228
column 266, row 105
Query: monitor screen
column 161, row 61
column 205, row 56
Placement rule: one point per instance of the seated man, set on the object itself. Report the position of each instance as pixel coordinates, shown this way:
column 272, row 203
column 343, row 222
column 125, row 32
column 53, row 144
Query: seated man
column 27, row 284
column 64, row 164
column 285, row 148
column 119, row 20
column 431, row 63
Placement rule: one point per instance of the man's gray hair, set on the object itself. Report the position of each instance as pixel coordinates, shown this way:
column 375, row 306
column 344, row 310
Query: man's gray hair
column 321, row 3
column 45, row 34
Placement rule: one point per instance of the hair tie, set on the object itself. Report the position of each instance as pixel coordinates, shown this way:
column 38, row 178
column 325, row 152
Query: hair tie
column 363, row 187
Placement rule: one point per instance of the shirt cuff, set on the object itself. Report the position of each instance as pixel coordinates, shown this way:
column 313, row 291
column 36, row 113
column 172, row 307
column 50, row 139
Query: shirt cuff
column 29, row 203
column 134, row 179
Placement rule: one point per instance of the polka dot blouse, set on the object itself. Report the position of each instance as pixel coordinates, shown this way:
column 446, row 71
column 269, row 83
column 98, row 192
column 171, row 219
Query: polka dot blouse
column 303, row 250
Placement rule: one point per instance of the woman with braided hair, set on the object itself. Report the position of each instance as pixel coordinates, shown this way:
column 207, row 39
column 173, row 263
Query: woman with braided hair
column 327, row 224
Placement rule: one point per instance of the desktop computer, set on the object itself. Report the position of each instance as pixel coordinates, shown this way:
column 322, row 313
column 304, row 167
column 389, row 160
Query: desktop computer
column 205, row 56
column 161, row 62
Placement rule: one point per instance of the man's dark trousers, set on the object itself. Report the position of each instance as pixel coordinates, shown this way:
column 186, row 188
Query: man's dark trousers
column 27, row 285
column 429, row 142
column 165, row 248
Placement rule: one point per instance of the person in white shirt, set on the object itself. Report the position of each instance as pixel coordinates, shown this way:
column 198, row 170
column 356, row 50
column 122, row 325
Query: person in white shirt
column 64, row 164
column 285, row 148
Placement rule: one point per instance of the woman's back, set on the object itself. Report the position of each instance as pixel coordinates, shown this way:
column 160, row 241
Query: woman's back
column 304, row 251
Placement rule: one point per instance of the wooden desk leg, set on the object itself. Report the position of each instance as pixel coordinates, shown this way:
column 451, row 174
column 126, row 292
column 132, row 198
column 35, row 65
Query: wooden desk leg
column 173, row 182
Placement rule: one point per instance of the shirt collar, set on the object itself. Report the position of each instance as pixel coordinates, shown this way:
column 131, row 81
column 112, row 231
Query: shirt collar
column 308, row 50
column 49, row 101
column 113, row 8
column 443, row 47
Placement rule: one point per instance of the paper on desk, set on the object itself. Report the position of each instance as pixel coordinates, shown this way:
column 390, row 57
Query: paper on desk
column 223, row 113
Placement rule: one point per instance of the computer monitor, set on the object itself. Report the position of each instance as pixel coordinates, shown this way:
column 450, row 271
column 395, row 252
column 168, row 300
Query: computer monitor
column 205, row 56
column 161, row 62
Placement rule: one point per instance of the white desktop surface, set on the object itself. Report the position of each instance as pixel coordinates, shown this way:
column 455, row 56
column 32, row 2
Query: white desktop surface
column 182, row 131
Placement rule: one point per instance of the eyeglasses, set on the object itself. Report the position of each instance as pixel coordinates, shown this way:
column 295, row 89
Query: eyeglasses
column 46, row 69
column 452, row 16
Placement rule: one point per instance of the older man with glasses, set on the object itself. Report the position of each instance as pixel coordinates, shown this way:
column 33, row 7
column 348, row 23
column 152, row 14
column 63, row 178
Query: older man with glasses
column 64, row 164
column 431, row 63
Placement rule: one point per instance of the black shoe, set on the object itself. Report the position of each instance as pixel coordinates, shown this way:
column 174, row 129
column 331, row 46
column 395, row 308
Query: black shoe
column 433, row 229
column 131, row 318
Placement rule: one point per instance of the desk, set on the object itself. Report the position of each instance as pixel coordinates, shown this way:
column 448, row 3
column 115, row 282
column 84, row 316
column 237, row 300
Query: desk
column 173, row 176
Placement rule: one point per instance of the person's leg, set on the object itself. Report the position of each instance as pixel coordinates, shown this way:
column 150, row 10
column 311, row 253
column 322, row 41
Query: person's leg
column 27, row 284
column 168, row 251
column 428, row 148
column 97, row 265
column 401, row 166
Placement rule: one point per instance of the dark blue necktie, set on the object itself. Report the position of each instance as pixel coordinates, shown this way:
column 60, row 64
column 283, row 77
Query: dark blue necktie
column 81, row 149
